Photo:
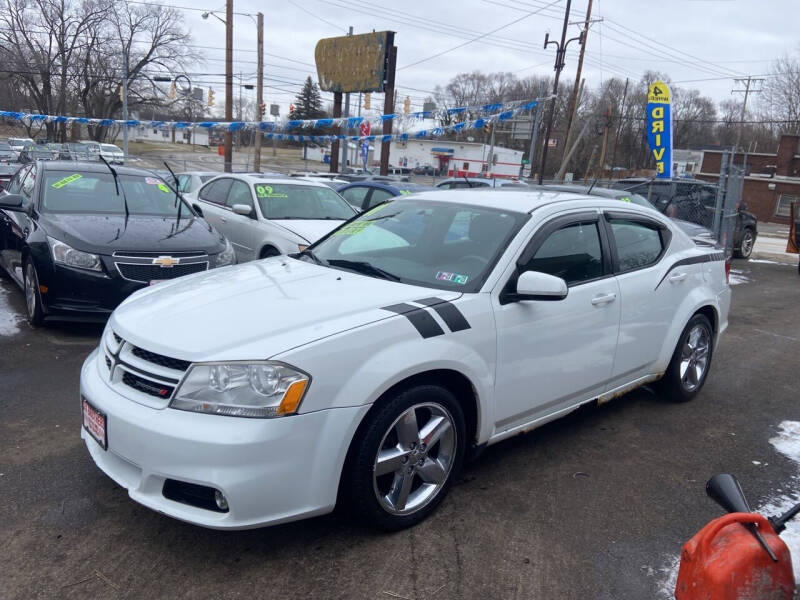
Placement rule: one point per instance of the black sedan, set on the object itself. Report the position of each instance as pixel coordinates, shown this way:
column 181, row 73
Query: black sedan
column 35, row 152
column 79, row 238
column 363, row 195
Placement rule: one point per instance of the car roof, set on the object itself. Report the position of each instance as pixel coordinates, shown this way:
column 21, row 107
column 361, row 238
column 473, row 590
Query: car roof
column 389, row 186
column 200, row 173
column 271, row 178
column 519, row 200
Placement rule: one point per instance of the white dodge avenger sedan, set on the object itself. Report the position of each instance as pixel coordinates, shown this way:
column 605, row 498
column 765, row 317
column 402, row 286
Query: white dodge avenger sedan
column 364, row 369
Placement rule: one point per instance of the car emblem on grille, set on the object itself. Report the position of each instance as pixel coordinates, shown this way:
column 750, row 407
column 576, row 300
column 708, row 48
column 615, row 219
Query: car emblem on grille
column 166, row 261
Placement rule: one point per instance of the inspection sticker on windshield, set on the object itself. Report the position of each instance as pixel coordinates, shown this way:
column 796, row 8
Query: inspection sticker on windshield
column 353, row 228
column 452, row 277
column 266, row 191
column 66, row 181
column 153, row 181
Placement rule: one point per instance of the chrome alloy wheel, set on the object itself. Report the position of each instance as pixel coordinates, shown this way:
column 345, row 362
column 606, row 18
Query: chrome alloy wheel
column 694, row 357
column 748, row 241
column 30, row 288
column 414, row 458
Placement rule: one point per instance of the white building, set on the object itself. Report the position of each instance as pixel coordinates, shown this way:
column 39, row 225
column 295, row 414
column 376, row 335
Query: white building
column 449, row 158
column 164, row 134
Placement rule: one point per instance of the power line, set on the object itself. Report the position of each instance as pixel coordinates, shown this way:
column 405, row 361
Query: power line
column 316, row 16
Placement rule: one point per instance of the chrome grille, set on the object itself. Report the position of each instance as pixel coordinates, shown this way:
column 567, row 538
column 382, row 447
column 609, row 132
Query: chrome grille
column 147, row 273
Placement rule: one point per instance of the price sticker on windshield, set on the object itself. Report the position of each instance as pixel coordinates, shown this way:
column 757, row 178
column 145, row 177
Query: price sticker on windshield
column 163, row 188
column 66, row 181
column 266, row 191
column 353, row 228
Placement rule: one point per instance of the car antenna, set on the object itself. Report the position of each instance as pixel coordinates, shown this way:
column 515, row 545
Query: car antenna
column 177, row 194
column 589, row 191
column 116, row 184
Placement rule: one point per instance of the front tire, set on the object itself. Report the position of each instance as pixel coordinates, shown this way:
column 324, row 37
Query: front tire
column 690, row 362
column 745, row 248
column 403, row 463
column 33, row 296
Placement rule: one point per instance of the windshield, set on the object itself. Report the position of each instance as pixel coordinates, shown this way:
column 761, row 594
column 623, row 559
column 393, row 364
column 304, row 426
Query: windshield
column 95, row 193
column 442, row 245
column 288, row 201
column 110, row 148
column 637, row 199
column 4, row 146
column 38, row 151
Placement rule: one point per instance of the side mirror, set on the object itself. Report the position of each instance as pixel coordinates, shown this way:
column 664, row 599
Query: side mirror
column 242, row 209
column 197, row 209
column 533, row 285
column 11, row 202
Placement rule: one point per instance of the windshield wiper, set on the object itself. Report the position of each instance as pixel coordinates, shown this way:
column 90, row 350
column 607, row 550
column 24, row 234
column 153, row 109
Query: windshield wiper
column 117, row 186
column 312, row 256
column 363, row 267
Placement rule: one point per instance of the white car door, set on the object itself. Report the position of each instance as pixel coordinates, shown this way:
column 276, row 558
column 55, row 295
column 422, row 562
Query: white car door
column 211, row 201
column 552, row 355
column 243, row 231
column 639, row 246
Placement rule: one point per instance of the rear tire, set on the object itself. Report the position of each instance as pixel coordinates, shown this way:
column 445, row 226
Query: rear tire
column 745, row 248
column 690, row 362
column 33, row 296
column 401, row 466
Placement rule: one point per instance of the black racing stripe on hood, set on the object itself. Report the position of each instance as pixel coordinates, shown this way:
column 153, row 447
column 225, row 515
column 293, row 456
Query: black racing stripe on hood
column 693, row 260
column 448, row 312
column 424, row 323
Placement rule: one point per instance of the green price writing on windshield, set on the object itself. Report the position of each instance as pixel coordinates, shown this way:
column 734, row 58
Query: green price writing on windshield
column 66, row 181
column 163, row 188
column 266, row 191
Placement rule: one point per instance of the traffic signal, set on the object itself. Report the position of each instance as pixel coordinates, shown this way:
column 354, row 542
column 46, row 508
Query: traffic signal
column 367, row 101
column 487, row 127
column 262, row 109
column 172, row 91
column 210, row 97
column 407, row 105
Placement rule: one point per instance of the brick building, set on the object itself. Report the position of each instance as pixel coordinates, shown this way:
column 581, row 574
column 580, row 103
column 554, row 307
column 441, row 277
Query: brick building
column 772, row 180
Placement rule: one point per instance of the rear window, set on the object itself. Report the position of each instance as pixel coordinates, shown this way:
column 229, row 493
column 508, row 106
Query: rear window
column 284, row 201
column 95, row 193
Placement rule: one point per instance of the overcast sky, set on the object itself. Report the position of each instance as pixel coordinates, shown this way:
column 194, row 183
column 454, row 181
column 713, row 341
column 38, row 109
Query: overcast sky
column 709, row 40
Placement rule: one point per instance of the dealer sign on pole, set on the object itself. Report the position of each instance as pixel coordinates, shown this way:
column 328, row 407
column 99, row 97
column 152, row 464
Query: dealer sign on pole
column 659, row 128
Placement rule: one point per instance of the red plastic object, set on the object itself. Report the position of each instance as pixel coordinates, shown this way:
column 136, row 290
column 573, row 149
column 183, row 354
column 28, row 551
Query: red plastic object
column 221, row 150
column 724, row 561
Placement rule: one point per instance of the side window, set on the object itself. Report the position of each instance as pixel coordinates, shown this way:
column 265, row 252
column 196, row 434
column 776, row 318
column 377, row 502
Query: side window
column 572, row 253
column 638, row 244
column 379, row 196
column 16, row 181
column 355, row 196
column 240, row 194
column 28, row 183
column 216, row 191
column 183, row 182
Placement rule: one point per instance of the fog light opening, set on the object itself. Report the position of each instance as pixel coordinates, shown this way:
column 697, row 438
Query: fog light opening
column 222, row 502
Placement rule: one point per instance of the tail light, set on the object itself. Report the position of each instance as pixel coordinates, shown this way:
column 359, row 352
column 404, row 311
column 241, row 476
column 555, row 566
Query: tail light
column 728, row 270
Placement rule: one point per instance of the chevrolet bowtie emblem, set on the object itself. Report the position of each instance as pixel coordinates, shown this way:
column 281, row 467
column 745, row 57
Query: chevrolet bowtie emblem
column 166, row 261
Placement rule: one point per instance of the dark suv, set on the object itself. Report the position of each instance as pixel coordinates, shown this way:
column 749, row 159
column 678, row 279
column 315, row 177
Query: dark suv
column 694, row 200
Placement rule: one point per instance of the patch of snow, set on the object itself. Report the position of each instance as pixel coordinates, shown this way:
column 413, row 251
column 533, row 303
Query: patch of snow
column 736, row 277
column 666, row 577
column 9, row 319
column 764, row 261
column 755, row 462
column 787, row 442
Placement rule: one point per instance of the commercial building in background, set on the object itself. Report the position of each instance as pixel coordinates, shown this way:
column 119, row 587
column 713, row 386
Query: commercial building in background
column 448, row 158
column 772, row 179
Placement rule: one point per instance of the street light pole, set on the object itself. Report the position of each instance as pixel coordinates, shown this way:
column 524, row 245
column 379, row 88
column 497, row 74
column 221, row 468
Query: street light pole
column 228, row 83
column 259, row 91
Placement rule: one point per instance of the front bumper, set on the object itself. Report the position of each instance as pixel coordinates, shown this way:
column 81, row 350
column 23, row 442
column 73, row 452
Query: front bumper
column 79, row 293
column 270, row 470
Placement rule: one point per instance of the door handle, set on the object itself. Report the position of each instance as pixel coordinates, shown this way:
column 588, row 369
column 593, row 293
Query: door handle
column 223, row 219
column 678, row 277
column 603, row 299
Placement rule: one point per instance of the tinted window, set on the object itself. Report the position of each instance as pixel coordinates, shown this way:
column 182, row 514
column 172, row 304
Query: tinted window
column 638, row 245
column 572, row 253
column 356, row 195
column 28, row 183
column 287, row 201
column 96, row 193
column 240, row 194
column 14, row 186
column 435, row 244
column 379, row 196
column 216, row 191
column 184, row 182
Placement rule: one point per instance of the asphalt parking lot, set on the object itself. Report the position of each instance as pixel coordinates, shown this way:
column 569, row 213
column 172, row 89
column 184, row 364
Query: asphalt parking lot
column 596, row 505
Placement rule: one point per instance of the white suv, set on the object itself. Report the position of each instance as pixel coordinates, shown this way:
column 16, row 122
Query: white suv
column 364, row 369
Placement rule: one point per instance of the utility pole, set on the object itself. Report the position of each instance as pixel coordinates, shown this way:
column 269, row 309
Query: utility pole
column 573, row 101
column 561, row 51
column 259, row 91
column 747, row 83
column 568, row 139
column 490, row 164
column 228, row 166
column 345, row 145
column 619, row 125
column 388, row 101
column 124, row 103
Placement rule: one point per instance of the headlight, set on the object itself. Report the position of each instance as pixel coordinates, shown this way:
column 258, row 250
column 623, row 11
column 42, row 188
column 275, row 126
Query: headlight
column 67, row 255
column 227, row 256
column 242, row 389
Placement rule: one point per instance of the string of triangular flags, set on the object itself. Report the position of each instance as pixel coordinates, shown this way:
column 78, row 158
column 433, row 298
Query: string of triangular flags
column 500, row 111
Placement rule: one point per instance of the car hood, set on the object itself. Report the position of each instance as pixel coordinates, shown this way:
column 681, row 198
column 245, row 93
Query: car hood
column 105, row 234
column 257, row 310
column 309, row 229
